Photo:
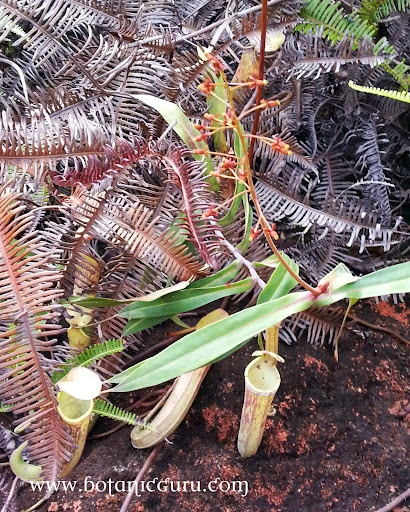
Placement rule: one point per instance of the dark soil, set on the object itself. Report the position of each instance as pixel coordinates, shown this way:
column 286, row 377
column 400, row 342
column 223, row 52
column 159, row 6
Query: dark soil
column 336, row 443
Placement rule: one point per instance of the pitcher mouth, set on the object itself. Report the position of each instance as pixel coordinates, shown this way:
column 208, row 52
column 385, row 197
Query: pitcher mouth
column 262, row 376
column 72, row 410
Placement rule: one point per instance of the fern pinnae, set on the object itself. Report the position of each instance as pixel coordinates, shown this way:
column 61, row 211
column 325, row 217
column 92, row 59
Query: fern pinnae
column 400, row 72
column 329, row 15
column 372, row 11
column 90, row 355
column 103, row 408
column 387, row 93
column 187, row 176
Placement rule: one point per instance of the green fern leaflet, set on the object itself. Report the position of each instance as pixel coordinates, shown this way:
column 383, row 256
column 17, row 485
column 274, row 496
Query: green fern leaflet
column 394, row 95
column 90, row 355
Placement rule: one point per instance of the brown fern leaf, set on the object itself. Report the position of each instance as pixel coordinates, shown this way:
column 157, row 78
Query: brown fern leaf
column 162, row 251
column 27, row 313
column 37, row 145
column 186, row 72
column 58, row 31
column 117, row 219
column 320, row 324
column 126, row 277
column 188, row 177
column 96, row 167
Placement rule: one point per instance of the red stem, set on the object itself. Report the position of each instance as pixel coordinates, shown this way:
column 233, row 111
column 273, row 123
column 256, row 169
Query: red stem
column 264, row 17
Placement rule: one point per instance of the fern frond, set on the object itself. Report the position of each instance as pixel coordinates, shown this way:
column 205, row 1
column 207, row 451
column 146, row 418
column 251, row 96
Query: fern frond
column 48, row 38
column 372, row 11
column 185, row 74
column 107, row 410
column 312, row 55
column 400, row 72
column 38, row 144
column 89, row 356
column 335, row 22
column 188, row 177
column 375, row 192
column 277, row 24
column 197, row 13
column 281, row 200
column 28, row 291
column 272, row 159
column 117, row 218
column 319, row 324
column 394, row 95
column 11, row 26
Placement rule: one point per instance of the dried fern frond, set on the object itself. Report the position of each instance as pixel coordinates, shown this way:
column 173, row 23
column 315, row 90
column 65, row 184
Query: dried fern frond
column 281, row 200
column 49, row 39
column 319, row 324
column 186, row 73
column 119, row 220
column 6, row 487
column 312, row 56
column 27, row 311
column 376, row 191
column 188, row 177
column 198, row 13
column 38, row 144
column 126, row 276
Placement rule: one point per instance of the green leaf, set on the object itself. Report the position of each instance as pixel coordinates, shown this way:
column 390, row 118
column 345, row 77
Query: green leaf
column 178, row 321
column 212, row 317
column 210, row 343
column 217, row 107
column 271, row 261
column 226, row 354
column 164, row 291
column 222, row 277
column 140, row 324
column 394, row 279
column 184, row 300
column 230, row 215
column 183, row 127
column 98, row 302
column 105, row 409
column 88, row 356
column 388, row 93
column 227, row 335
column 338, row 277
column 244, row 244
column 335, row 22
column 280, row 282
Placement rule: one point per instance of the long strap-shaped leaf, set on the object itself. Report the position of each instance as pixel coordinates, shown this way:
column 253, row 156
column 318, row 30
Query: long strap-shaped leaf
column 184, row 300
column 211, row 342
